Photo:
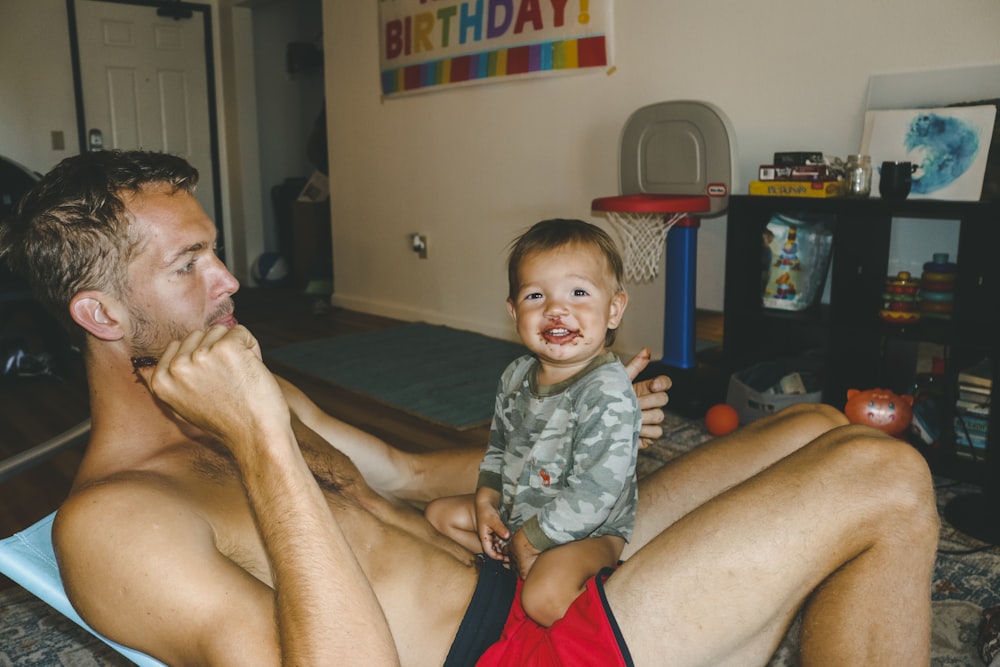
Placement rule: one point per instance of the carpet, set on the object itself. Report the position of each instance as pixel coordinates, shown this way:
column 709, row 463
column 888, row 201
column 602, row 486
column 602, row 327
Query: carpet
column 33, row 633
column 966, row 580
column 438, row 373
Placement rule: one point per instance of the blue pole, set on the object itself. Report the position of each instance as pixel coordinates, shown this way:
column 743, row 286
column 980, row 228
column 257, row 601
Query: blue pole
column 679, row 301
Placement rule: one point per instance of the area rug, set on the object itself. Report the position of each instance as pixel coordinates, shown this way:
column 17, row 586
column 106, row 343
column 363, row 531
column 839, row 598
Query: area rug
column 33, row 633
column 438, row 373
column 966, row 580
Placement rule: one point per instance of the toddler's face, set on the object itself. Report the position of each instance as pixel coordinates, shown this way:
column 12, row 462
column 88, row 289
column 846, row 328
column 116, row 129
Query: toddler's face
column 567, row 301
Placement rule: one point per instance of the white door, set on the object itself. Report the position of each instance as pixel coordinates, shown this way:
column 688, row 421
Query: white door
column 145, row 84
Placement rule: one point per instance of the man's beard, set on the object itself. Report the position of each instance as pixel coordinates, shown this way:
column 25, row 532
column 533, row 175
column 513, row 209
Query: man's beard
column 150, row 338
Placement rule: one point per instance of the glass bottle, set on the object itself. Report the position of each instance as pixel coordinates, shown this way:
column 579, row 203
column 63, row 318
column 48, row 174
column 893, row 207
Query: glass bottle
column 858, row 176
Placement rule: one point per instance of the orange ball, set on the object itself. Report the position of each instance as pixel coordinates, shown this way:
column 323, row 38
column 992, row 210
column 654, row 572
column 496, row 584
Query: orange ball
column 721, row 419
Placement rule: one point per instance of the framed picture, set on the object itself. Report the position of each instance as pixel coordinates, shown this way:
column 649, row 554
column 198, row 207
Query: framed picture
column 948, row 146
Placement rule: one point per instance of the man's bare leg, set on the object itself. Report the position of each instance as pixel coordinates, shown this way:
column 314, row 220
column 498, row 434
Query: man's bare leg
column 705, row 472
column 847, row 523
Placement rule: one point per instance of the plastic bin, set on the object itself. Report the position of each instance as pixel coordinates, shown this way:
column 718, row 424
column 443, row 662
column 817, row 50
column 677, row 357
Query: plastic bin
column 754, row 392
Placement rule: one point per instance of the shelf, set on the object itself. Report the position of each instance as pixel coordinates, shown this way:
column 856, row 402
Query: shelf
column 861, row 231
column 929, row 330
column 938, row 209
column 818, row 313
column 861, row 350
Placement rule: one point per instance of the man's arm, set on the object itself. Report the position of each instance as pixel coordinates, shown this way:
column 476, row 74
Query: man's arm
column 421, row 477
column 140, row 564
column 326, row 610
column 413, row 477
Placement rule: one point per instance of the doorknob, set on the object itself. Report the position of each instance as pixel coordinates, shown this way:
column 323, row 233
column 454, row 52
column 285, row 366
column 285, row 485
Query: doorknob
column 95, row 140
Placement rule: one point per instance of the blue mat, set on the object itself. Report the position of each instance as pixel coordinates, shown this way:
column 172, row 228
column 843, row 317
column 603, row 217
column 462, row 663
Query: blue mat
column 437, row 373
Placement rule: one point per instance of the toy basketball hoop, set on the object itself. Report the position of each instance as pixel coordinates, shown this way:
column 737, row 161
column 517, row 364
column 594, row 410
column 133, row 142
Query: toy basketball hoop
column 675, row 167
column 643, row 221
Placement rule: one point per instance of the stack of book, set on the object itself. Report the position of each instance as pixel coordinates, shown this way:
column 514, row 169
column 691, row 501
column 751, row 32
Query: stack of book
column 972, row 410
column 797, row 174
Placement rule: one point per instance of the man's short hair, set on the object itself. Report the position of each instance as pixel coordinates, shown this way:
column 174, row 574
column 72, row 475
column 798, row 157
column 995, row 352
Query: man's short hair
column 71, row 232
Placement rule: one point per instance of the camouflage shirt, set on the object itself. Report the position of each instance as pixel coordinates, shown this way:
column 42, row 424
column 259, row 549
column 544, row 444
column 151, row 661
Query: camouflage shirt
column 563, row 456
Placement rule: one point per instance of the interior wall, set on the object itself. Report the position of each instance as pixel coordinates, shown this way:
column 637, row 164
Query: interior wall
column 30, row 112
column 472, row 167
column 36, row 99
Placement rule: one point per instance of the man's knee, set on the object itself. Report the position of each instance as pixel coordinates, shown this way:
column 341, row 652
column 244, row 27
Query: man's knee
column 819, row 416
column 888, row 470
column 803, row 422
column 871, row 447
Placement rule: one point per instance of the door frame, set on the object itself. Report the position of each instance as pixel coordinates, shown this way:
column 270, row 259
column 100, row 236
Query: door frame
column 213, row 129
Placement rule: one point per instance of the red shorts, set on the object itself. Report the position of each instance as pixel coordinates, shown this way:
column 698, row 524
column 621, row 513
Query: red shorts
column 587, row 635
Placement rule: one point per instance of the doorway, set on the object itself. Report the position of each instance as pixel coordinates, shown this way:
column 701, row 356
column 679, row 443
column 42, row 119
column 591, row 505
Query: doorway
column 143, row 78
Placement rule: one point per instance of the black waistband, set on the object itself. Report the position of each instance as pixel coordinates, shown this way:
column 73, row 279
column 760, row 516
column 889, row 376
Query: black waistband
column 486, row 615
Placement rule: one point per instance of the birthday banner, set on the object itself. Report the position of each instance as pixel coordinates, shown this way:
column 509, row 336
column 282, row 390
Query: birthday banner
column 428, row 44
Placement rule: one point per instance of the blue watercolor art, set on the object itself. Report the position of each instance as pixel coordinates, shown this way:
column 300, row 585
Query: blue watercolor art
column 947, row 147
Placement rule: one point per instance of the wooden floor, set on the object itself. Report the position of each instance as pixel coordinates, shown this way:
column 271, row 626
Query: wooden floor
column 35, row 409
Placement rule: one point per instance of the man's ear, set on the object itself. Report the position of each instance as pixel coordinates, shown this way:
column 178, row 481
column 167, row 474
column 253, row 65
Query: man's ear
column 617, row 310
column 96, row 312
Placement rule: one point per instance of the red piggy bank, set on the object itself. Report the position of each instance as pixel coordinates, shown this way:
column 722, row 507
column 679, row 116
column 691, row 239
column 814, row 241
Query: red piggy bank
column 881, row 408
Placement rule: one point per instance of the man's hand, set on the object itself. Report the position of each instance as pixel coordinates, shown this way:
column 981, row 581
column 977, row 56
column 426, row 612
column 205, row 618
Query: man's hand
column 216, row 381
column 523, row 554
column 652, row 396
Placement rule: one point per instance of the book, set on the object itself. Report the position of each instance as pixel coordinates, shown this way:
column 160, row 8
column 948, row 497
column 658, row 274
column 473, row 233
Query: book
column 970, row 450
column 972, row 407
column 813, row 189
column 798, row 172
column 971, row 428
column 974, row 441
column 973, row 393
column 790, row 158
column 970, row 435
column 979, row 374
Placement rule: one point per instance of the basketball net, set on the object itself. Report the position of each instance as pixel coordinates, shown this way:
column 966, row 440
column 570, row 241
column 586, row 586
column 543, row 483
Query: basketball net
column 644, row 236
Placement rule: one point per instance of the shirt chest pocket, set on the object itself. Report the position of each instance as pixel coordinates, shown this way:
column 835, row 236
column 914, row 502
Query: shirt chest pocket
column 551, row 459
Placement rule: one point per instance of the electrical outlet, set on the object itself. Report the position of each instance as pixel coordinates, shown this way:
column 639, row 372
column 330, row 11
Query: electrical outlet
column 418, row 242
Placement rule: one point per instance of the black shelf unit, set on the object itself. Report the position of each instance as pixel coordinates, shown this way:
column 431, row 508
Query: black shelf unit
column 859, row 349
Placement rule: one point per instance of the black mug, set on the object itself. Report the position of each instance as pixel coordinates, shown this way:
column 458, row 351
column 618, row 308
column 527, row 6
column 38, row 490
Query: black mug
column 895, row 179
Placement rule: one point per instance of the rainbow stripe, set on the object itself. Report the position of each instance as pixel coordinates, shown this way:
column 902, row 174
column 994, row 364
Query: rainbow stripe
column 546, row 56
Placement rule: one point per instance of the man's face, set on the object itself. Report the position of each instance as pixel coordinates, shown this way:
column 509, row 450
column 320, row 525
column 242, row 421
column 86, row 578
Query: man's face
column 177, row 283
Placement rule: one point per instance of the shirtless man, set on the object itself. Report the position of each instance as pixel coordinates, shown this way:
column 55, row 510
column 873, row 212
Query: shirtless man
column 217, row 519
